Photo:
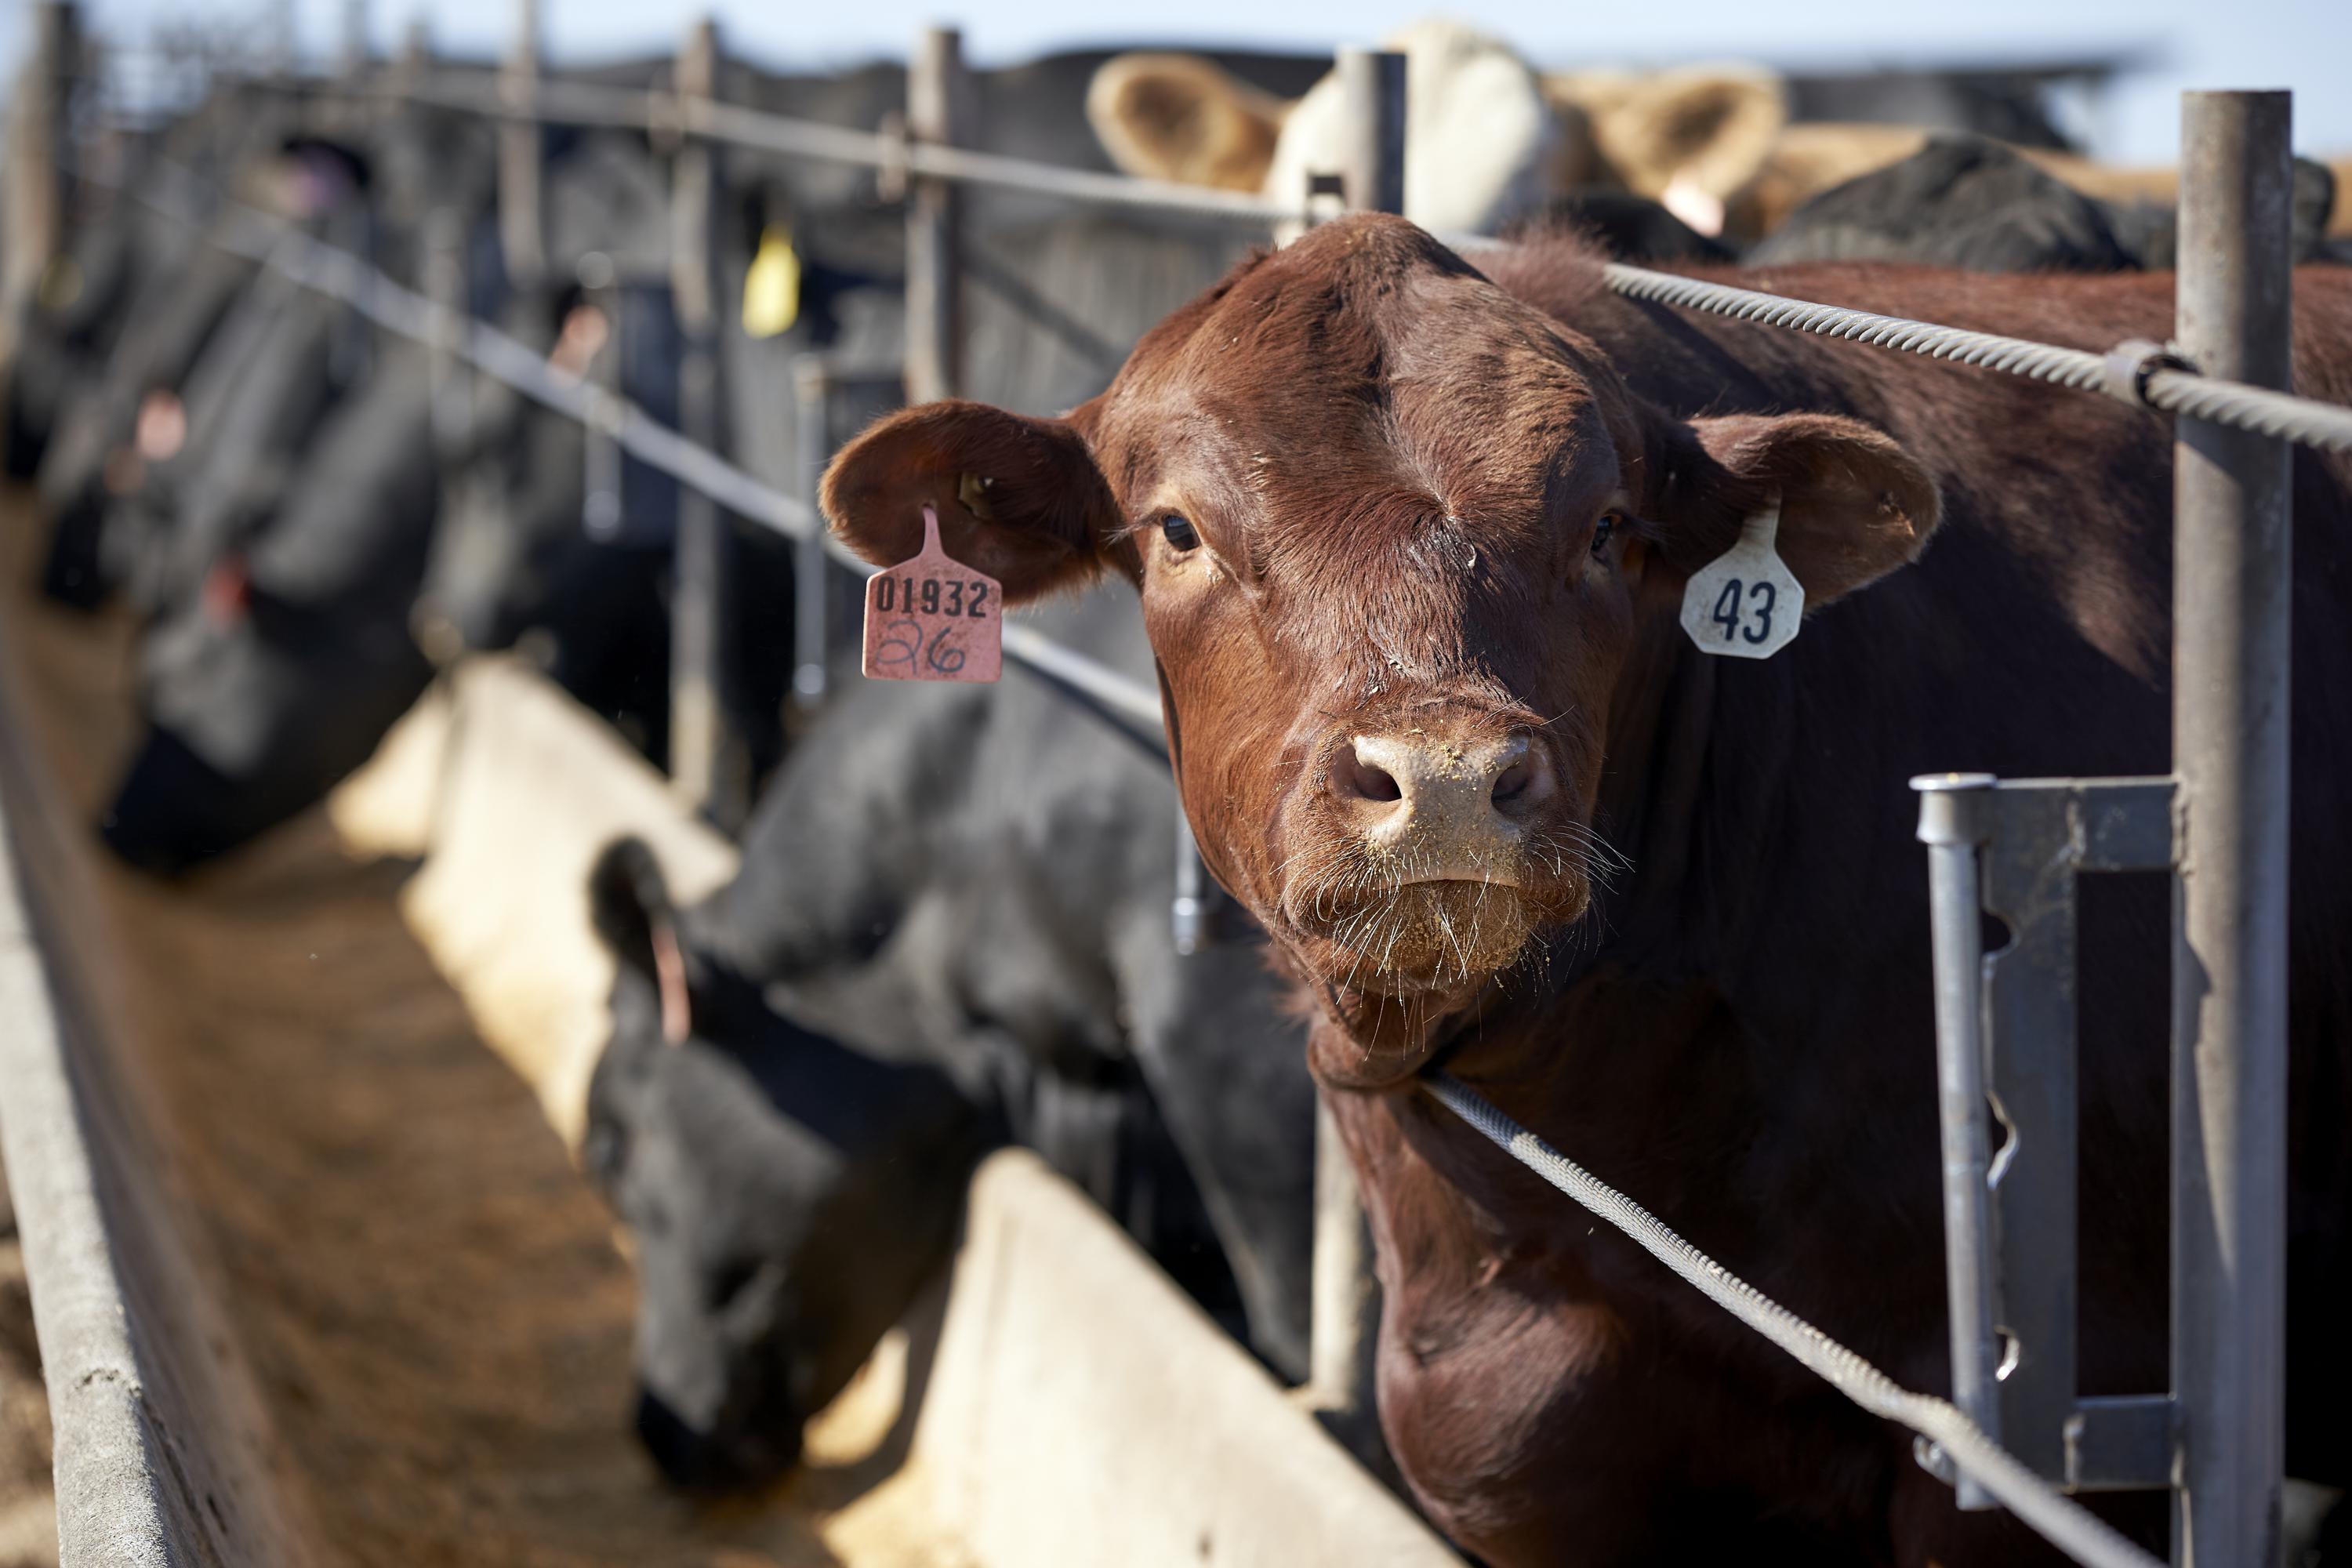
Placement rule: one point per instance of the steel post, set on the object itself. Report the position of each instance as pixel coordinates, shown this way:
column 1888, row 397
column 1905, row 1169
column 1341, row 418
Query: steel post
column 450, row 379
column 812, row 575
column 939, row 110
column 1346, row 1299
column 600, row 510
column 522, row 237
column 1188, row 915
column 2232, row 566
column 1372, row 161
column 1951, row 826
column 40, row 151
column 356, row 52
column 705, row 760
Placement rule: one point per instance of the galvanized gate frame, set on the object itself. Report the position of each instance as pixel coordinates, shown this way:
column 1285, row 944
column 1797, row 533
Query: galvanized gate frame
column 2005, row 1021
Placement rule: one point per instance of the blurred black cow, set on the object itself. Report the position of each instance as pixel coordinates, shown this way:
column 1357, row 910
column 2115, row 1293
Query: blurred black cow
column 509, row 561
column 1973, row 204
column 968, row 882
column 788, row 1194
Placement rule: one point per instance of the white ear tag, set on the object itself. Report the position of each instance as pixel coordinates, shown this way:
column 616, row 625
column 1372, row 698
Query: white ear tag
column 1746, row 603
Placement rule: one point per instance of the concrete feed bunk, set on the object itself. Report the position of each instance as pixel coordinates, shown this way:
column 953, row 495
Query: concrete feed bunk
column 315, row 1278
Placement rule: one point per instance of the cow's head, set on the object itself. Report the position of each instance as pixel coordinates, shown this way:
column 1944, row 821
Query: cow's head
column 1397, row 535
column 786, row 1195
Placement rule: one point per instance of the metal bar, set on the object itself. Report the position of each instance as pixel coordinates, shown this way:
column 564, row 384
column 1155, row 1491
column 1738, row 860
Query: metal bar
column 356, row 53
column 2121, row 1443
column 1951, row 826
column 1188, row 916
column 591, row 103
column 2232, row 551
column 38, row 179
column 2304, row 420
column 813, row 389
column 2063, row 1522
column 938, row 113
column 1344, row 1325
column 451, row 381
column 600, row 446
column 703, row 758
column 521, row 218
column 2032, row 1071
column 1345, row 1299
column 1371, row 167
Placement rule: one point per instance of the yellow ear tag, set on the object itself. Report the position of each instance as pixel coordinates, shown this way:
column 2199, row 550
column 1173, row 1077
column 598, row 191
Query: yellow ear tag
column 772, row 288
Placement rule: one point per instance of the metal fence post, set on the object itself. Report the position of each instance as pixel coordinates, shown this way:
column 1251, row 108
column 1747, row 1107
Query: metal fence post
column 520, row 147
column 2232, row 551
column 812, row 393
column 450, row 379
column 703, row 756
column 940, row 109
column 1951, row 825
column 39, row 147
column 600, row 452
column 1345, row 1301
column 1371, row 161
column 356, row 52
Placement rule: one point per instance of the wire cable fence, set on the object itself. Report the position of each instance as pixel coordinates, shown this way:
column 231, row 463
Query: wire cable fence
column 342, row 275
column 2065, row 1523
column 2135, row 373
column 2140, row 374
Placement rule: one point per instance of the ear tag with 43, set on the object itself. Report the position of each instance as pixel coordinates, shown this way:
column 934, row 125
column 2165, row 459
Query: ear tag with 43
column 1746, row 603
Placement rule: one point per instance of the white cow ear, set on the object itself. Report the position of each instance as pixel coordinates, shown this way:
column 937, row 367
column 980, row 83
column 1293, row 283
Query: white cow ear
column 1184, row 118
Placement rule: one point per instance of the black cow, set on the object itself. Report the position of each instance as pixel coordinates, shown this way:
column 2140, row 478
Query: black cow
column 982, row 877
column 788, row 1194
column 279, row 674
column 1976, row 204
column 70, row 327
column 1960, row 201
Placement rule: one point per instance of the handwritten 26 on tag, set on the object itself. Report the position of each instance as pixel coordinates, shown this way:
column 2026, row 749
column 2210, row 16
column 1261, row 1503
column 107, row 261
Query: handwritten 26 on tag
column 933, row 618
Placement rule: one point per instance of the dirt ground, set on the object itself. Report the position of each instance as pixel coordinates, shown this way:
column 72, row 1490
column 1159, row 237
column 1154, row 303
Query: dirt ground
column 28, row 1525
column 432, row 1301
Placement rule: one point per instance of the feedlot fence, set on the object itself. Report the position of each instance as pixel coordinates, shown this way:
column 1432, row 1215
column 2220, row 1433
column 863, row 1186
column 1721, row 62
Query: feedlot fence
column 2024, row 1441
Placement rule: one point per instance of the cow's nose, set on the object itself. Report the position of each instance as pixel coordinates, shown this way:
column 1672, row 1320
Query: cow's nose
column 1418, row 783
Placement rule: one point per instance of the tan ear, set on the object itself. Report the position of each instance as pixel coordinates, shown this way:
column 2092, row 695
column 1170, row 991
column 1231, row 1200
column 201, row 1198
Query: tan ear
column 1182, row 118
column 1019, row 498
column 1701, row 128
column 1808, row 158
column 1854, row 504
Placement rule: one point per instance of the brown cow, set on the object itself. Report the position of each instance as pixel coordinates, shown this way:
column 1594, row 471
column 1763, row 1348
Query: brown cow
column 1410, row 540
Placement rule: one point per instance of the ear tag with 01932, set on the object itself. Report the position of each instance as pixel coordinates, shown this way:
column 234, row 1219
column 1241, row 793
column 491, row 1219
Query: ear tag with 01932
column 1746, row 603
column 933, row 618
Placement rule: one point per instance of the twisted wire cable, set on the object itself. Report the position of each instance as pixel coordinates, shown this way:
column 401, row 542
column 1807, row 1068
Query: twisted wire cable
column 2303, row 420
column 2065, row 1523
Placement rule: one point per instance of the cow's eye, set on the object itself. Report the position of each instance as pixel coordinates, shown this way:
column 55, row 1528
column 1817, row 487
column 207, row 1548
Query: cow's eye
column 1606, row 530
column 1179, row 531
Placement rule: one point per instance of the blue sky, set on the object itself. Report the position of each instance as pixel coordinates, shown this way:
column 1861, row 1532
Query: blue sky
column 2305, row 45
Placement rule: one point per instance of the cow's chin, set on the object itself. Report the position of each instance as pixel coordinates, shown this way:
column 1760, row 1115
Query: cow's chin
column 1429, row 941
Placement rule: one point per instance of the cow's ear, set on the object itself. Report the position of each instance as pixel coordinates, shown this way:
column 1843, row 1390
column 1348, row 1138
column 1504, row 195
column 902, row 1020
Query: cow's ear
column 1019, row 498
column 1854, row 504
column 1184, row 118
column 628, row 901
column 1701, row 129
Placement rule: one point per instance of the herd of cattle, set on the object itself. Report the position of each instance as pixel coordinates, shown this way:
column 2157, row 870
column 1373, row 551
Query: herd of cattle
column 1410, row 538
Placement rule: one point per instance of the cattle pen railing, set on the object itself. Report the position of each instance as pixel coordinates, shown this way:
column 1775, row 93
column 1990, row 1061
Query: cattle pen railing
column 2215, row 1437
